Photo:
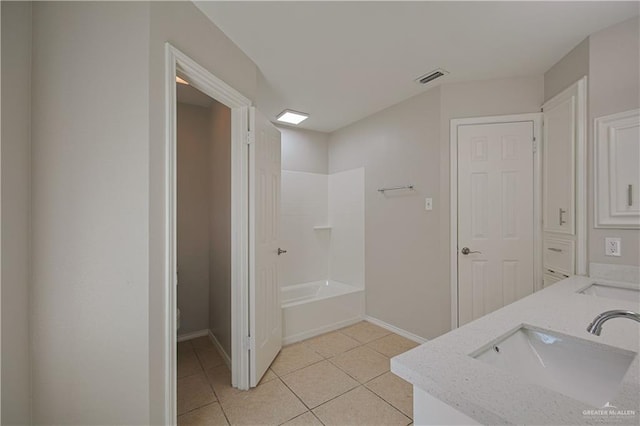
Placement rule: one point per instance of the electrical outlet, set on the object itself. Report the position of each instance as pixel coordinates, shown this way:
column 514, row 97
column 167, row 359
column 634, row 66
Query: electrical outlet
column 612, row 247
column 428, row 203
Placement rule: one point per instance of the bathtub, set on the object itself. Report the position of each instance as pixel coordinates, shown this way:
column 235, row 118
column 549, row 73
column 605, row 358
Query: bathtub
column 317, row 307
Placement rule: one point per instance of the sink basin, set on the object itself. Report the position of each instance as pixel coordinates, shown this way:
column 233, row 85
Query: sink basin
column 583, row 370
column 612, row 292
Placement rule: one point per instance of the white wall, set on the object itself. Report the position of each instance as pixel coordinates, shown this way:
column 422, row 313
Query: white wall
column 220, row 225
column 204, row 220
column 398, row 146
column 303, row 203
column 347, row 218
column 90, row 226
column 304, row 150
column 571, row 68
column 98, row 182
column 16, row 171
column 517, row 95
column 614, row 86
column 406, row 247
column 193, row 212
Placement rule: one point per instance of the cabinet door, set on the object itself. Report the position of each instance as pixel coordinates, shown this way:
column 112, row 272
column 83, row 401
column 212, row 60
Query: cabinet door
column 559, row 255
column 559, row 164
column 551, row 278
column 617, row 150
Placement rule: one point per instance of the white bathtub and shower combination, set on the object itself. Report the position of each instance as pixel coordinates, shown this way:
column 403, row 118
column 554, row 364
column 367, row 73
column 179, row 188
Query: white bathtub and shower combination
column 313, row 308
column 322, row 275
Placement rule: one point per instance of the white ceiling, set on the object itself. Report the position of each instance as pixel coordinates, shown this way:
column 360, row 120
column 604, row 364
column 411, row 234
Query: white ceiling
column 342, row 61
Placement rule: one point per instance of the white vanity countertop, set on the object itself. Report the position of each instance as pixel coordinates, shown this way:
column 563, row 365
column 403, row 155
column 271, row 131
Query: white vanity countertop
column 443, row 368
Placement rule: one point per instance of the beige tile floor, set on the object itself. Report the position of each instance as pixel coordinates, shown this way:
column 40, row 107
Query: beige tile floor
column 338, row 378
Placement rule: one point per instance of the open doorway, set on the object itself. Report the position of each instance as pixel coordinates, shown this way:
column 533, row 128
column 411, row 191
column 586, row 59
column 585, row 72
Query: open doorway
column 203, row 127
column 237, row 113
column 248, row 178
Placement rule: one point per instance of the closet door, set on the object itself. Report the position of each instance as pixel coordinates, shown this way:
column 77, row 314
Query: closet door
column 559, row 164
column 564, row 205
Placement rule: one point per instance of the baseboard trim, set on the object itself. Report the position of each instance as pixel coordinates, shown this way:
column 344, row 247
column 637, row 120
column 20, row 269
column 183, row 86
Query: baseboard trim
column 395, row 329
column 320, row 330
column 192, row 335
column 220, row 349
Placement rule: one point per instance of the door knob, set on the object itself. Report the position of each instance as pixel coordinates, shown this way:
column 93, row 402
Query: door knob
column 280, row 251
column 466, row 251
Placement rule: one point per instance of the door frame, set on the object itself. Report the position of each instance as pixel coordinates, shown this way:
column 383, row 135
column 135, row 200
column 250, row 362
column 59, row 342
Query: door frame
column 536, row 119
column 177, row 63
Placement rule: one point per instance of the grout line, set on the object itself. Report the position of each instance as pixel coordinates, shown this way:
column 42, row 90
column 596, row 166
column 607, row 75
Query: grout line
column 388, row 402
column 336, row 397
column 344, row 371
column 318, row 418
column 350, row 375
column 299, row 415
column 355, row 378
column 383, row 337
column 324, row 358
column 331, row 399
column 373, row 378
column 390, row 405
column 224, row 413
column 199, row 360
column 192, row 374
column 194, row 409
column 358, row 384
column 296, row 395
column 382, row 397
column 298, row 369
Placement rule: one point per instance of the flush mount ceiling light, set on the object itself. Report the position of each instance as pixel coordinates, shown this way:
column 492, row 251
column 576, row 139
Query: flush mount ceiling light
column 181, row 81
column 292, row 117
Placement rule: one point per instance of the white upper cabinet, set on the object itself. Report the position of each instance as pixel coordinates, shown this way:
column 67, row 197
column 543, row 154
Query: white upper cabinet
column 617, row 170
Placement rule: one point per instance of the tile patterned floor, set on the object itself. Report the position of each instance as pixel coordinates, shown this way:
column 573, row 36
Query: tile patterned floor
column 338, row 378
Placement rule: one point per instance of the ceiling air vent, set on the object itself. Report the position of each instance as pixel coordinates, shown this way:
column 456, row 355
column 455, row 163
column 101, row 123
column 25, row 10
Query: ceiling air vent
column 431, row 76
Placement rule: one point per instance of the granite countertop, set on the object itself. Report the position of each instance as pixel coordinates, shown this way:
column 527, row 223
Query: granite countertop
column 443, row 368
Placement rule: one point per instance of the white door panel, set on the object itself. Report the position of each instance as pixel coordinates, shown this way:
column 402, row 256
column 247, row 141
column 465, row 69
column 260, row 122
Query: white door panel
column 495, row 216
column 559, row 165
column 264, row 290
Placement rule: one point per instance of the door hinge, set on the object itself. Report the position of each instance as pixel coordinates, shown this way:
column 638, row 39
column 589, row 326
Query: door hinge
column 249, row 138
column 535, row 145
column 249, row 343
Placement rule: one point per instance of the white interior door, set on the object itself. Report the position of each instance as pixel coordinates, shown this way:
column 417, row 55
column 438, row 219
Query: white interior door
column 495, row 216
column 265, row 313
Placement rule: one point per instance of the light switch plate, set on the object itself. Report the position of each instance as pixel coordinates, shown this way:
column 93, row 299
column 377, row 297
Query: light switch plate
column 428, row 203
column 612, row 247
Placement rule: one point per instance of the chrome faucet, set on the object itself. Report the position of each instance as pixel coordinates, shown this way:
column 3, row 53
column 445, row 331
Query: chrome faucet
column 596, row 325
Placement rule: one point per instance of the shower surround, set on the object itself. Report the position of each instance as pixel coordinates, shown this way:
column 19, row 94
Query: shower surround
column 322, row 275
